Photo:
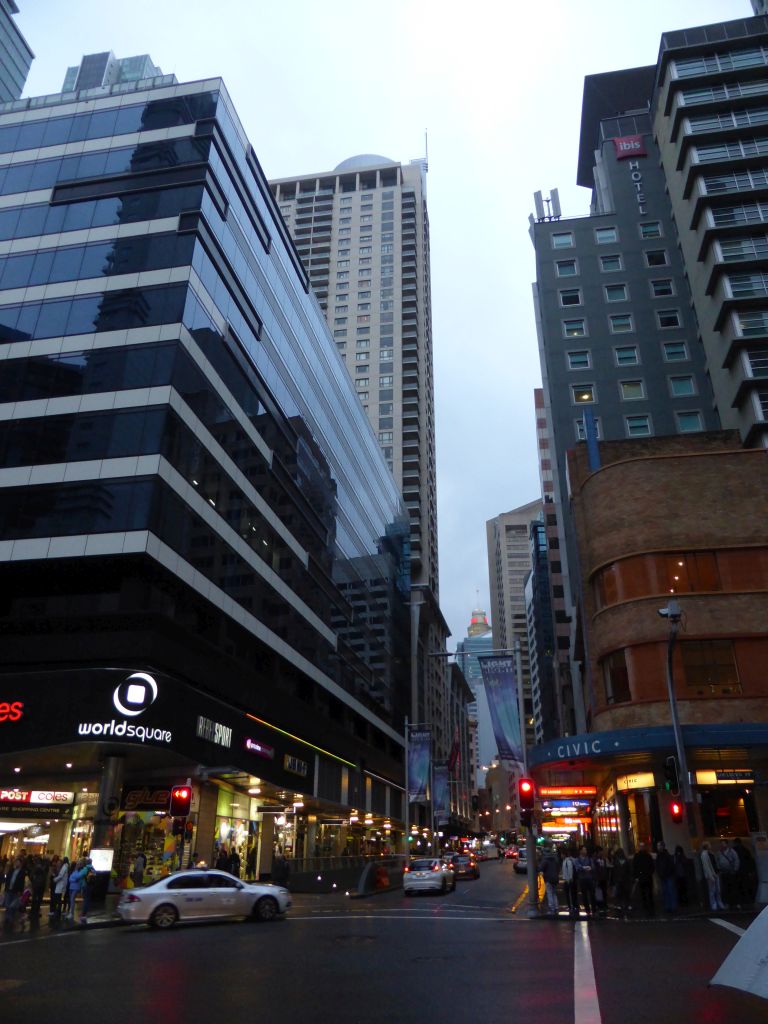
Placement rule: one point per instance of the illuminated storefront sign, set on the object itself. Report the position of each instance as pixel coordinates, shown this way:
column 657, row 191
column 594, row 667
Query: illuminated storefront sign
column 11, row 710
column 736, row 777
column 629, row 145
column 295, row 765
column 642, row 780
column 214, row 732
column 563, row 791
column 45, row 797
column 261, row 749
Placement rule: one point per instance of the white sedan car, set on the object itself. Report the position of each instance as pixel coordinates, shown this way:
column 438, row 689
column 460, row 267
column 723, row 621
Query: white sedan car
column 196, row 895
column 428, row 874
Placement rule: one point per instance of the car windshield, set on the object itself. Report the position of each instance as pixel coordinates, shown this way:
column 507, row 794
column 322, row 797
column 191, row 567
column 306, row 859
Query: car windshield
column 422, row 865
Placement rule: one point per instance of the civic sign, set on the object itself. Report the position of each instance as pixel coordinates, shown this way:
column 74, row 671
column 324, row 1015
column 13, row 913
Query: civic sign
column 640, row 780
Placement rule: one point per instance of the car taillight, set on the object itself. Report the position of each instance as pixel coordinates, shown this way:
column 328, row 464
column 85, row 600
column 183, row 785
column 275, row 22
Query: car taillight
column 435, row 867
column 130, row 898
column 406, row 869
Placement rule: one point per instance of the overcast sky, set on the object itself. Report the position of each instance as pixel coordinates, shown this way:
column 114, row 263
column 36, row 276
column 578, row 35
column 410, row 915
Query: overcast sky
column 498, row 87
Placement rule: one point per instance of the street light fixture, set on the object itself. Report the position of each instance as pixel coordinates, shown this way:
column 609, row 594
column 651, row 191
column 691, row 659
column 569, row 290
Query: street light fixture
column 673, row 613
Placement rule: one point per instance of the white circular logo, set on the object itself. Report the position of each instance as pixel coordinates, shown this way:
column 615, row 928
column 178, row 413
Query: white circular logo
column 135, row 694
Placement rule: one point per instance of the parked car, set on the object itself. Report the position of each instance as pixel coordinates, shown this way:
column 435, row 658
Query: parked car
column 510, row 853
column 465, row 866
column 427, row 874
column 521, row 864
column 201, row 896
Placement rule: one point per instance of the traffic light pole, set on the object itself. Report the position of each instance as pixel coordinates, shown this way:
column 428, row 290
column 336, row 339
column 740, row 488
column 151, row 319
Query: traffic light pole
column 673, row 613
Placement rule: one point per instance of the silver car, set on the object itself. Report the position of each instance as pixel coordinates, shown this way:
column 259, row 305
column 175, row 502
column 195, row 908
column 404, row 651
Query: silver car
column 428, row 873
column 201, row 896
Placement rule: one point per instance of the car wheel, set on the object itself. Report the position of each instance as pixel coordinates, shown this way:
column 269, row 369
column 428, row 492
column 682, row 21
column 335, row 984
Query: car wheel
column 266, row 909
column 164, row 916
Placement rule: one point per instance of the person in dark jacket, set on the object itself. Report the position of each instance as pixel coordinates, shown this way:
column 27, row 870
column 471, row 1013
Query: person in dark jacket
column 585, row 874
column 281, row 870
column 665, row 869
column 747, row 876
column 621, row 879
column 642, row 872
column 14, row 887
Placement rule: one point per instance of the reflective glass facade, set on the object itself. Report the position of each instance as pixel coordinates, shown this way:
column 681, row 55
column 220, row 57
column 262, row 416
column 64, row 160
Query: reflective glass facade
column 186, row 473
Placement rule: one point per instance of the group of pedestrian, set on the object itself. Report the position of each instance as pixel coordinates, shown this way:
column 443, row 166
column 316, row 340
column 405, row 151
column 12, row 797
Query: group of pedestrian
column 25, row 877
column 228, row 860
column 596, row 879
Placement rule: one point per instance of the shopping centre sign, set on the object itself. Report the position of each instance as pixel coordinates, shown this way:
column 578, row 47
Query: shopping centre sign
column 45, row 797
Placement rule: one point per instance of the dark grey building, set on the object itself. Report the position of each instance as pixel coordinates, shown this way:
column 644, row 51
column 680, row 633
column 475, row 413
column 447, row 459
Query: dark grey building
column 618, row 340
column 15, row 54
column 198, row 526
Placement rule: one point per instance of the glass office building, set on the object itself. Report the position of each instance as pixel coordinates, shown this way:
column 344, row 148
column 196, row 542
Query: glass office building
column 189, row 486
column 15, row 54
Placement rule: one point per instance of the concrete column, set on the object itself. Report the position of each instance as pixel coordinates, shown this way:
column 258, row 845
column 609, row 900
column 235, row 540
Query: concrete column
column 266, row 846
column 108, row 802
column 206, row 822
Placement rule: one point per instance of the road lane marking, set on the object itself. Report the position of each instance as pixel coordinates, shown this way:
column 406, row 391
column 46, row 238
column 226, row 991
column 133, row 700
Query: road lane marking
column 586, row 1009
column 519, row 899
column 727, row 924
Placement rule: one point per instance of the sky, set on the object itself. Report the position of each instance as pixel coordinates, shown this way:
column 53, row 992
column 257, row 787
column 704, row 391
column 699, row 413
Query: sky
column 492, row 92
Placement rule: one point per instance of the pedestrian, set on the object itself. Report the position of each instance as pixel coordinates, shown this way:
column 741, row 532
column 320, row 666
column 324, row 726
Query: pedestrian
column 712, row 878
column 222, row 861
column 550, row 872
column 88, row 883
column 747, row 876
column 59, row 888
column 665, row 869
column 621, row 880
column 728, row 869
column 601, row 866
column 681, row 875
column 74, row 885
column 138, row 869
column 585, row 875
column 642, row 873
column 53, row 870
column 15, row 879
column 281, row 870
column 571, row 883
column 233, row 864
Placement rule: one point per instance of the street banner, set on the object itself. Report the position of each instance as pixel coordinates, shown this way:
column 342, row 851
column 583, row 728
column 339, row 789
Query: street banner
column 440, row 794
column 746, row 966
column 419, row 755
column 500, row 684
column 454, row 758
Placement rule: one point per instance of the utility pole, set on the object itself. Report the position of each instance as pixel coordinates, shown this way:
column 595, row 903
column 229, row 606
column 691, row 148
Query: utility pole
column 674, row 614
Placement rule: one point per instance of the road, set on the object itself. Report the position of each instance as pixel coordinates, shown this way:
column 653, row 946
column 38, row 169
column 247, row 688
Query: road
column 464, row 956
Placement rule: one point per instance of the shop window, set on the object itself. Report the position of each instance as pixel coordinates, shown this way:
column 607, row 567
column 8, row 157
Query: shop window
column 692, row 571
column 709, row 667
column 616, row 678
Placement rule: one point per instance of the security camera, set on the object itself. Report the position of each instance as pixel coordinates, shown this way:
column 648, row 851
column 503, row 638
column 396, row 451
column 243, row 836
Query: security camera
column 664, row 613
column 671, row 612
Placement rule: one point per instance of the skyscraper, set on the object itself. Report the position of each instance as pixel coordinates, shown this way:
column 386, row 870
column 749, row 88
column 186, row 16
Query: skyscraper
column 478, row 641
column 509, row 563
column 362, row 231
column 15, row 54
column 204, row 557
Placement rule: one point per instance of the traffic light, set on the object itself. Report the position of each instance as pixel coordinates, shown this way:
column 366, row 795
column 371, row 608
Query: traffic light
column 526, row 794
column 676, row 810
column 671, row 779
column 181, row 800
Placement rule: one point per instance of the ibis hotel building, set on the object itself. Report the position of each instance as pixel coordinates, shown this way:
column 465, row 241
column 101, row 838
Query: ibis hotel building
column 203, row 555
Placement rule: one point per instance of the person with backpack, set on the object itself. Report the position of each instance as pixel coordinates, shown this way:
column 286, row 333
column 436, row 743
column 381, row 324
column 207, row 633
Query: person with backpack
column 74, row 885
column 87, row 883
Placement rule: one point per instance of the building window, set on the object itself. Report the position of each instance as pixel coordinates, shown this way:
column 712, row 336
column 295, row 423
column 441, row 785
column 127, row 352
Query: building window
column 363, row 343
column 562, row 240
column 755, row 362
column 570, row 297
column 364, row 319
column 616, row 293
column 631, row 390
column 388, row 247
column 709, row 666
column 581, row 433
column 621, row 323
column 661, row 287
column 638, row 426
column 363, row 307
column 362, row 382
column 341, row 309
column 344, row 252
column 675, row 351
column 689, row 422
column 362, row 357
column 579, row 360
column 345, row 231
column 656, row 258
column 616, row 678
column 609, row 264
column 566, row 268
column 681, row 387
column 342, row 264
column 362, row 369
column 575, row 328
column 605, row 236
column 583, row 394
column 668, row 318
column 626, row 355
column 340, row 320
column 386, row 353
column 364, row 396
column 385, row 437
column 385, row 382
column 651, row 229
column 341, row 333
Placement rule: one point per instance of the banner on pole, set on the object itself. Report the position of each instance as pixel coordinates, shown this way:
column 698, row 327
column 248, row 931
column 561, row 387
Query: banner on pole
column 440, row 796
column 419, row 757
column 500, row 683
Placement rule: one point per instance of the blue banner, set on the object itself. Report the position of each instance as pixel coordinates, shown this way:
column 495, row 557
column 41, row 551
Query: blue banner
column 419, row 758
column 500, row 683
column 441, row 803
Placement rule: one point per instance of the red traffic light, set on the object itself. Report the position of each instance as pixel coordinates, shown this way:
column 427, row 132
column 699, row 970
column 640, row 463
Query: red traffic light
column 526, row 792
column 181, row 800
column 676, row 811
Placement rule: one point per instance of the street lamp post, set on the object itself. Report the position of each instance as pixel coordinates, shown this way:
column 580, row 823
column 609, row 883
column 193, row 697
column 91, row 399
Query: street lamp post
column 673, row 613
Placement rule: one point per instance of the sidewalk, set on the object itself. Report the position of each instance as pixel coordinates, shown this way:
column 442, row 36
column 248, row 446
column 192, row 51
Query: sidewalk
column 103, row 916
